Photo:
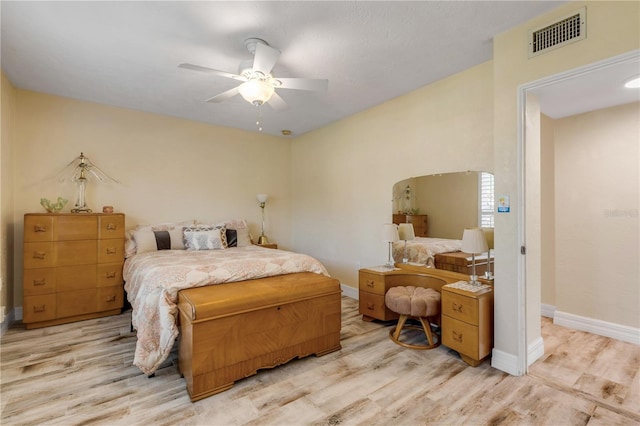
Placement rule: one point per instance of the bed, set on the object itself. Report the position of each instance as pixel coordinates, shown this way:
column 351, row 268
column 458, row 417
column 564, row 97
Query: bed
column 211, row 255
column 422, row 250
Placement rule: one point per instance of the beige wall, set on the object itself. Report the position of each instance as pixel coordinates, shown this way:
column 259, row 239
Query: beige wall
column 343, row 174
column 597, row 198
column 612, row 30
column 170, row 169
column 7, row 114
column 548, row 212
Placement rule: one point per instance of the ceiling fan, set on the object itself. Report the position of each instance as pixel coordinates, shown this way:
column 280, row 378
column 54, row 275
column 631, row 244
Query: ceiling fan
column 258, row 84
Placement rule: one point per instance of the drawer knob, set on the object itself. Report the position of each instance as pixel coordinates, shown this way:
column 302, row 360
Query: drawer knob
column 371, row 283
column 37, row 309
column 456, row 307
column 111, row 298
column 457, row 337
column 111, row 250
column 371, row 306
column 40, row 282
column 111, row 274
column 111, row 226
column 39, row 228
column 39, row 255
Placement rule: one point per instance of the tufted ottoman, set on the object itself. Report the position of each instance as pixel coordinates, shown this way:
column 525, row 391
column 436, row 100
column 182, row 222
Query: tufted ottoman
column 414, row 302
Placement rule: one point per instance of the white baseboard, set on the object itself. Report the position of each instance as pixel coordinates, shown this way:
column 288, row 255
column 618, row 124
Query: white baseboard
column 602, row 328
column 547, row 310
column 349, row 291
column 506, row 362
column 7, row 320
column 535, row 351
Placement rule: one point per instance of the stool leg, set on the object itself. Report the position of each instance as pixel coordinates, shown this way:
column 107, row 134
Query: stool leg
column 401, row 321
column 427, row 330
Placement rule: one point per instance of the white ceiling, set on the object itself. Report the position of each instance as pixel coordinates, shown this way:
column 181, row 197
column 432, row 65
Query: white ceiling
column 126, row 53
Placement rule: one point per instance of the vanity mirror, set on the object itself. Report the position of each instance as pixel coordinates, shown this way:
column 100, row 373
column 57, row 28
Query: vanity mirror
column 451, row 202
column 440, row 207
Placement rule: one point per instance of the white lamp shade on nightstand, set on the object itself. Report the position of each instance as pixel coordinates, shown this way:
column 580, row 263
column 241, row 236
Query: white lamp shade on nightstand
column 473, row 241
column 405, row 232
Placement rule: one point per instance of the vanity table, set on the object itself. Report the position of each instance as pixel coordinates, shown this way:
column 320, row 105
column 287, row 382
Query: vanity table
column 466, row 316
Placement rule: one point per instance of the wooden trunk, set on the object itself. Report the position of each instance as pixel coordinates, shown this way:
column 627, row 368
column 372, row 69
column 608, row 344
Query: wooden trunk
column 461, row 262
column 229, row 331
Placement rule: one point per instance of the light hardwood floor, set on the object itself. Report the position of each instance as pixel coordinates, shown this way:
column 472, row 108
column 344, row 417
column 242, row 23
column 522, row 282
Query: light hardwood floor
column 81, row 373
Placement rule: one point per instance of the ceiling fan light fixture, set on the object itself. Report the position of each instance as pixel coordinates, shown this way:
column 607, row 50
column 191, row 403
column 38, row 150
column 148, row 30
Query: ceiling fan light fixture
column 256, row 92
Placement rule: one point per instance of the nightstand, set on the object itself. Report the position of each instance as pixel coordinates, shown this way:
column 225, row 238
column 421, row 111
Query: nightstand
column 467, row 322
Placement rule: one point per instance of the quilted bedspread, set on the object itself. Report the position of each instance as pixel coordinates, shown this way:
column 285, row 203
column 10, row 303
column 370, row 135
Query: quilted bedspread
column 153, row 279
column 422, row 250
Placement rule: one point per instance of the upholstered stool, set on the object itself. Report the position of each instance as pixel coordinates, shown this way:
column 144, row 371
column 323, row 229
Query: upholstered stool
column 414, row 302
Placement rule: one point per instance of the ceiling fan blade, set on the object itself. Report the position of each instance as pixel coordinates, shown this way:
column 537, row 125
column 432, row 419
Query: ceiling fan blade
column 265, row 58
column 303, row 83
column 277, row 103
column 224, row 95
column 211, row 71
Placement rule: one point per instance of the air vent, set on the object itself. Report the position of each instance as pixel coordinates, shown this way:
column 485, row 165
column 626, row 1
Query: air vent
column 568, row 29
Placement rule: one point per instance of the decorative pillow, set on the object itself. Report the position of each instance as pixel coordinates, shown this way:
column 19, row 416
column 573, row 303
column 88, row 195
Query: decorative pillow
column 242, row 231
column 232, row 237
column 143, row 235
column 147, row 239
column 204, row 238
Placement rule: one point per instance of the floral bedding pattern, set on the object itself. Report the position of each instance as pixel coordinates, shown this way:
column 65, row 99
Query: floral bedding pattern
column 153, row 279
column 422, row 250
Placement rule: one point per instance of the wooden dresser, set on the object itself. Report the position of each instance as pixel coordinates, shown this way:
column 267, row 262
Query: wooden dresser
column 419, row 222
column 72, row 267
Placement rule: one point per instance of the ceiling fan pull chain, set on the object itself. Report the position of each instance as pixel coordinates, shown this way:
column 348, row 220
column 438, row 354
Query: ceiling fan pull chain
column 258, row 122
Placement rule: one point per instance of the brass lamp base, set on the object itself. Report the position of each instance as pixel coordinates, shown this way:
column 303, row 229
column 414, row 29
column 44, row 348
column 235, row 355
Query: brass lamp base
column 262, row 239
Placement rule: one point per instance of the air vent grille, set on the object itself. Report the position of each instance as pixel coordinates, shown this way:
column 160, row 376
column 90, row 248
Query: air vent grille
column 569, row 29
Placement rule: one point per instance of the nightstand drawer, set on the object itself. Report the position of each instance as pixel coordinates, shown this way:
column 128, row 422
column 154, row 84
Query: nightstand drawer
column 372, row 284
column 460, row 307
column 372, row 305
column 460, row 336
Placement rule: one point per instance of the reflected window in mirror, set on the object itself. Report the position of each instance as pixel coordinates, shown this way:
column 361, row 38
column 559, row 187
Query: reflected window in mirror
column 487, row 196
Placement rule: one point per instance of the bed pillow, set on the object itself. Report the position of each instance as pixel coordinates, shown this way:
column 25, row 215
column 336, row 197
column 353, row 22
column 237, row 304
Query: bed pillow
column 148, row 239
column 232, row 237
column 144, row 235
column 204, row 238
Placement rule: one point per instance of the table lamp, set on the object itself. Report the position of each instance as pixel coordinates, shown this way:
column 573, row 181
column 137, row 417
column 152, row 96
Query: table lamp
column 390, row 235
column 488, row 234
column 474, row 242
column 405, row 233
column 262, row 199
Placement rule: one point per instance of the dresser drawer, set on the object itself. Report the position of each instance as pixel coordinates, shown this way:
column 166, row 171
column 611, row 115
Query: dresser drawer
column 110, row 298
column 372, row 305
column 38, row 228
column 111, row 251
column 39, row 255
column 77, row 277
column 460, row 336
column 460, row 307
column 76, row 227
column 39, row 308
column 39, row 281
column 110, row 226
column 77, row 302
column 76, row 252
column 372, row 283
column 110, row 274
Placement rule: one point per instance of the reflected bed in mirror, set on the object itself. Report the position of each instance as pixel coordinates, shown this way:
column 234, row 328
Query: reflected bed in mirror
column 440, row 207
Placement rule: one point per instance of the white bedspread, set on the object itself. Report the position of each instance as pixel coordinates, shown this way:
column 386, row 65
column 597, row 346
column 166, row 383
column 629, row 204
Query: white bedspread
column 153, row 279
column 422, row 250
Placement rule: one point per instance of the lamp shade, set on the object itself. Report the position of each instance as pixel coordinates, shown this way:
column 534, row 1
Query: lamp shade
column 256, row 91
column 389, row 232
column 473, row 241
column 405, row 231
column 488, row 235
column 262, row 198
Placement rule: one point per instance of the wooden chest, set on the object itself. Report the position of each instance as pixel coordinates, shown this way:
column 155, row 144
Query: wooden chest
column 229, row 331
column 72, row 267
column 461, row 262
column 419, row 221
